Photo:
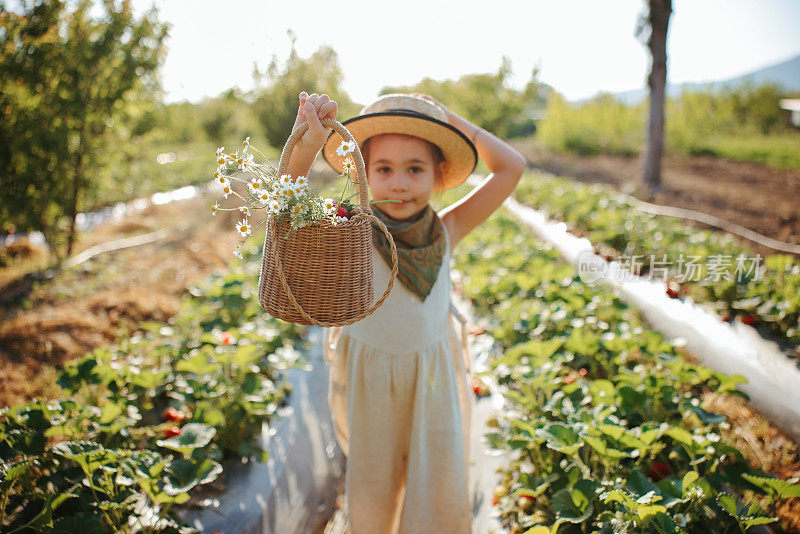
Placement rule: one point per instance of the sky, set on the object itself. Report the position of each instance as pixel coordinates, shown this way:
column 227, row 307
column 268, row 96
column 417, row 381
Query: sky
column 581, row 46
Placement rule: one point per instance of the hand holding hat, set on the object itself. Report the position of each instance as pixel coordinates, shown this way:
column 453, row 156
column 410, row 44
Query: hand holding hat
column 436, row 103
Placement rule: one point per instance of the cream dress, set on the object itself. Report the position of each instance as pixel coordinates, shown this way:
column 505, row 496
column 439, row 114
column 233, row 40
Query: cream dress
column 400, row 401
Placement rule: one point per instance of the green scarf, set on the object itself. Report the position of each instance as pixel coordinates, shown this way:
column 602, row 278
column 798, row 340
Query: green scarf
column 420, row 244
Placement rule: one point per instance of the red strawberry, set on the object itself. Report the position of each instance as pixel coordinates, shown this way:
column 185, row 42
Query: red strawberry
column 172, row 432
column 748, row 319
column 672, row 289
column 658, row 471
column 583, row 372
column 226, row 338
column 341, row 211
column 479, row 388
column 171, row 414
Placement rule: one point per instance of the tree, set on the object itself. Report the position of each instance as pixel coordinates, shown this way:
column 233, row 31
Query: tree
column 277, row 93
column 485, row 98
column 653, row 24
column 64, row 76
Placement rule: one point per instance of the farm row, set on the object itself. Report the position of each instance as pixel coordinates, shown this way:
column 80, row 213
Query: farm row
column 710, row 266
column 607, row 428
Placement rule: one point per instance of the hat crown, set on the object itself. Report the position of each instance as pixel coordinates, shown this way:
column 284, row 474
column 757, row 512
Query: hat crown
column 402, row 101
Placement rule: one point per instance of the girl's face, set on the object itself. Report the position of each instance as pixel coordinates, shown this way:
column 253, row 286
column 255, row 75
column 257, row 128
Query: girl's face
column 400, row 167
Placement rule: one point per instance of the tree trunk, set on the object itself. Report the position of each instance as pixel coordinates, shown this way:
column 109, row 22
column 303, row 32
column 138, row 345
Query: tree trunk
column 76, row 189
column 660, row 11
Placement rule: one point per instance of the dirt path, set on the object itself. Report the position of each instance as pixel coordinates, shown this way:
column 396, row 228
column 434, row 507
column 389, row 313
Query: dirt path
column 755, row 196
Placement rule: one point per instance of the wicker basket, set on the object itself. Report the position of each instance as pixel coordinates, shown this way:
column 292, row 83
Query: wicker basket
column 322, row 274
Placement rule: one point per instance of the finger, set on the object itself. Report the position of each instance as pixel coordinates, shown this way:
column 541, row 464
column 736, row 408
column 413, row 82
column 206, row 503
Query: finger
column 312, row 97
column 328, row 109
column 319, row 102
column 310, row 112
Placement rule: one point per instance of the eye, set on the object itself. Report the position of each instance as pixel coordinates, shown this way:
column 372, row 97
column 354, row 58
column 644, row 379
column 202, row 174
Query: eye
column 419, row 169
column 381, row 168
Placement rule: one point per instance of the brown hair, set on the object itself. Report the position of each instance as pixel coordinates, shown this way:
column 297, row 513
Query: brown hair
column 436, row 154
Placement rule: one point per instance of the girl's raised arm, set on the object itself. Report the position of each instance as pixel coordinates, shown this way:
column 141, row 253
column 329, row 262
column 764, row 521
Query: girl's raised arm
column 506, row 166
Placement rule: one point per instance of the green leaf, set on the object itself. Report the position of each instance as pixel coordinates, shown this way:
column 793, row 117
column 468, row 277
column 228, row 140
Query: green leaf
column 782, row 489
column 560, row 438
column 192, row 436
column 198, row 364
column 747, row 517
column 566, row 509
column 705, row 416
column 183, row 475
column 88, row 454
column 602, row 448
column 688, row 479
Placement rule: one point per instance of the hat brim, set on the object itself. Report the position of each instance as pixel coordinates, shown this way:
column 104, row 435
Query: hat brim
column 458, row 150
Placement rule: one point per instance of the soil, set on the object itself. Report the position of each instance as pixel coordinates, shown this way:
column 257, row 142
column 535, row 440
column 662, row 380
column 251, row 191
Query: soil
column 752, row 195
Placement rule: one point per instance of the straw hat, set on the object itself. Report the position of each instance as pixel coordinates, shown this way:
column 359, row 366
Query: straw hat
column 408, row 114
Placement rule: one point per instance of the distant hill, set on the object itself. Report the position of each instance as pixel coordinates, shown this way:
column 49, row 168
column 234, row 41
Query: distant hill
column 785, row 73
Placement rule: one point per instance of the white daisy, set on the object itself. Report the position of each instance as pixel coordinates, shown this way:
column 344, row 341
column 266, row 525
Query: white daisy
column 246, row 164
column 349, row 166
column 340, row 219
column 221, row 179
column 301, row 182
column 219, row 150
column 226, row 190
column 345, row 148
column 264, row 196
column 329, row 205
column 214, row 208
column 285, row 180
column 245, row 210
column 246, row 144
column 275, row 206
column 257, row 182
column 289, row 193
column 299, row 208
column 243, row 228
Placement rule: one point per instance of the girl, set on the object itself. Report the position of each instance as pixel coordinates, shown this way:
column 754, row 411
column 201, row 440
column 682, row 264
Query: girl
column 399, row 386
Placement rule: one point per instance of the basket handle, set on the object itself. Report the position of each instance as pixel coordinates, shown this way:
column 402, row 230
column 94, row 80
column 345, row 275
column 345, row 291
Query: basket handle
column 361, row 172
column 374, row 307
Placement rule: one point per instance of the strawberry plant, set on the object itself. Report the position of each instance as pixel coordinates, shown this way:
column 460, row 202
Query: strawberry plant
column 716, row 268
column 605, row 430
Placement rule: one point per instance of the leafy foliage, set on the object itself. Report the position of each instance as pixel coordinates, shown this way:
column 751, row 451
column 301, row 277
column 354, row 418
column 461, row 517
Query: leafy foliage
column 64, row 76
column 603, row 425
column 143, row 423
